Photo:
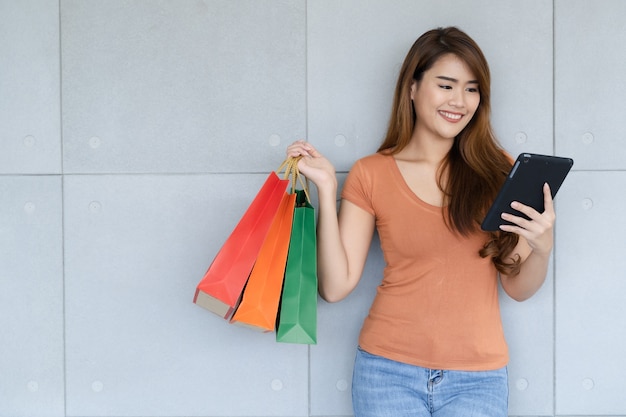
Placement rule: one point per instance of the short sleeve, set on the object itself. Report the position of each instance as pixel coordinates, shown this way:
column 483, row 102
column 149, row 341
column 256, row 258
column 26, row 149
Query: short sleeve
column 357, row 188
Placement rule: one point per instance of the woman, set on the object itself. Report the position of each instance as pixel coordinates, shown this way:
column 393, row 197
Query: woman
column 432, row 343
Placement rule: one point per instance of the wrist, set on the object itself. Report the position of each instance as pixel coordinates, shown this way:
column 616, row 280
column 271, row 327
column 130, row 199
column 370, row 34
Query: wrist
column 327, row 191
column 542, row 253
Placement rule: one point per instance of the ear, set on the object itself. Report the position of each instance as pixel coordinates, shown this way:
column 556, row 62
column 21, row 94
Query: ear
column 413, row 89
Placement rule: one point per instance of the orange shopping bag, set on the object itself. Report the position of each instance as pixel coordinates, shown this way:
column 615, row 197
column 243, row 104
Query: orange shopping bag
column 261, row 297
column 220, row 289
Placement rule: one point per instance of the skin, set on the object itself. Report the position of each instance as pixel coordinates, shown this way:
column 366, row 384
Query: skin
column 445, row 100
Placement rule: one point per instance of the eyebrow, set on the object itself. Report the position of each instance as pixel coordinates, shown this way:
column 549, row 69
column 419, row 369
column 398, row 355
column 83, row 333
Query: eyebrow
column 454, row 80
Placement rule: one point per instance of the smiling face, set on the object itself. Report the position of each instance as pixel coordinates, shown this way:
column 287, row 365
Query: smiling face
column 445, row 99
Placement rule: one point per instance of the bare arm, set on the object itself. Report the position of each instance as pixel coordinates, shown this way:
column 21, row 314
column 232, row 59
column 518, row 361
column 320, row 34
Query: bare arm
column 343, row 239
column 534, row 247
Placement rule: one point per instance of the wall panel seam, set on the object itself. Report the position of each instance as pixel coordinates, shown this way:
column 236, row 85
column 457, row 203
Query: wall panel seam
column 62, row 156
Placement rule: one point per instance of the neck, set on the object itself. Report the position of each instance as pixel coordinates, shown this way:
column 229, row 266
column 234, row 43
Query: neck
column 427, row 148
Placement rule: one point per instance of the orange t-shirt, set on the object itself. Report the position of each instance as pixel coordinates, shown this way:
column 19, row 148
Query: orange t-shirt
column 437, row 306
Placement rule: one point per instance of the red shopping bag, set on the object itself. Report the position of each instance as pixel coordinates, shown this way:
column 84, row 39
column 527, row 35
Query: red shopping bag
column 220, row 289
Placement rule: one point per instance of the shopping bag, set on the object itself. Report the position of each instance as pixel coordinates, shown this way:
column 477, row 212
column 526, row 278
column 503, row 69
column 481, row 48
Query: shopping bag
column 261, row 296
column 220, row 289
column 297, row 321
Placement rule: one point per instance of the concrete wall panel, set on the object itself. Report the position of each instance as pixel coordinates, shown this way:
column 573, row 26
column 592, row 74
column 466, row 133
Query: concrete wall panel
column 136, row 247
column 589, row 303
column 184, row 86
column 30, row 137
column 31, row 297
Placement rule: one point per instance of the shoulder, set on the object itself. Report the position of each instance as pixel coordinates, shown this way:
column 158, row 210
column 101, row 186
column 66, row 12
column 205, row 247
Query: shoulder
column 369, row 175
column 373, row 161
column 370, row 169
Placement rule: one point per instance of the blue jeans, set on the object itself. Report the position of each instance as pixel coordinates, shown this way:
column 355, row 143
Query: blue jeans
column 385, row 388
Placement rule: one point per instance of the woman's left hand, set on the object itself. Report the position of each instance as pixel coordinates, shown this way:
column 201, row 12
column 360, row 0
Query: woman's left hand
column 539, row 230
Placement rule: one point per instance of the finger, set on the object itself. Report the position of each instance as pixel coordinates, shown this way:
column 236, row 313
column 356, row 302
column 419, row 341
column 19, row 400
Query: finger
column 537, row 222
column 518, row 221
column 294, row 152
column 548, row 202
column 522, row 230
column 309, row 150
column 530, row 229
column 298, row 148
column 527, row 210
column 312, row 151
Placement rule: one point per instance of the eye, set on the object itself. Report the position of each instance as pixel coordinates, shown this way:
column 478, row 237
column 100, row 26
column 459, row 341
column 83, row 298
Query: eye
column 472, row 89
column 445, row 87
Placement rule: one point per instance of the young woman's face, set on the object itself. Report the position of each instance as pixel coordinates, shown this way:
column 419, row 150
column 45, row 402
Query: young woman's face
column 446, row 98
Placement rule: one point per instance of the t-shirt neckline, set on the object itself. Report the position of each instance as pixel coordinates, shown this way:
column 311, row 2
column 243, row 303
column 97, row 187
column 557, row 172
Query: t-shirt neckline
column 405, row 187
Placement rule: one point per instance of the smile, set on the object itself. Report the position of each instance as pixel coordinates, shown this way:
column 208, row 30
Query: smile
column 453, row 117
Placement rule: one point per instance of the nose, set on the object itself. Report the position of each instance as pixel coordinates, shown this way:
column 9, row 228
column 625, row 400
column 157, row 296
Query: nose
column 457, row 98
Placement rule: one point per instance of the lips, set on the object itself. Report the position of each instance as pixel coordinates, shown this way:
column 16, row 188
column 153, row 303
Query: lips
column 451, row 117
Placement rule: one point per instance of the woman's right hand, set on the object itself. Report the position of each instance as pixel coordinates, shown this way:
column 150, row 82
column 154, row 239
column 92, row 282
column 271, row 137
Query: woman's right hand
column 313, row 164
column 343, row 240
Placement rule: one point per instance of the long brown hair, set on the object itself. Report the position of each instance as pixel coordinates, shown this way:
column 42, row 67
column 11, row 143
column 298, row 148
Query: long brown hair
column 476, row 165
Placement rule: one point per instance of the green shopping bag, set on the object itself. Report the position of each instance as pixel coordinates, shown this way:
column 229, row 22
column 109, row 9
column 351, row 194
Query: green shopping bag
column 297, row 322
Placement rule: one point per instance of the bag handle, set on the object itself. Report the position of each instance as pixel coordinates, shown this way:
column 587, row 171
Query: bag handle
column 290, row 165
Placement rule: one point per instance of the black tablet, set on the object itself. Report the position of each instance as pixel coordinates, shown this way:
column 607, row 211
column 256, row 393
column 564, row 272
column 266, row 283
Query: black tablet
column 525, row 184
